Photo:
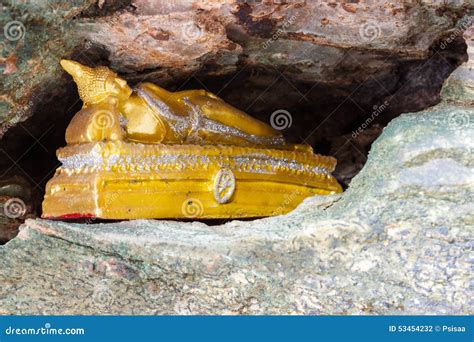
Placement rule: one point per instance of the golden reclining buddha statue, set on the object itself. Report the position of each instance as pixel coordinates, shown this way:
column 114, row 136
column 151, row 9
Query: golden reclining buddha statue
column 151, row 153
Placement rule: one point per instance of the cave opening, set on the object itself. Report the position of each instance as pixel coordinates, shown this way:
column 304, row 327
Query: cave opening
column 340, row 118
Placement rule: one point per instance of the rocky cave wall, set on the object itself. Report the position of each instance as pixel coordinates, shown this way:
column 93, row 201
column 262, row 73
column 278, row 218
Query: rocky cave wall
column 337, row 71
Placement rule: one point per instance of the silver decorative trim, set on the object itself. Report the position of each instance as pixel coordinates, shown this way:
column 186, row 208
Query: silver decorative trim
column 250, row 163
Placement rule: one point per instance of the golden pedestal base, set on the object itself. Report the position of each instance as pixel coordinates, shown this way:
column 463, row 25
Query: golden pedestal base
column 121, row 180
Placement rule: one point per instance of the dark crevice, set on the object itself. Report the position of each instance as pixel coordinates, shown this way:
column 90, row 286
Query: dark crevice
column 324, row 115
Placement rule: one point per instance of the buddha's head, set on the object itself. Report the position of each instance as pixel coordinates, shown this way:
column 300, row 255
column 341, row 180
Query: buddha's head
column 96, row 84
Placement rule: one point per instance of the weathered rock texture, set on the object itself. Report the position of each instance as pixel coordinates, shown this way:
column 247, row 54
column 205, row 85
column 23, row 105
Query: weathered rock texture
column 398, row 241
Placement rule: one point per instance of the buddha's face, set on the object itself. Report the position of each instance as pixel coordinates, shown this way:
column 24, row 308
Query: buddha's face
column 115, row 86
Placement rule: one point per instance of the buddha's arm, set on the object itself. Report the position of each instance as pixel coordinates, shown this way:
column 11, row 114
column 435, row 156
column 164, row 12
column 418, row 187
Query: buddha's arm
column 143, row 125
column 197, row 114
column 213, row 108
column 218, row 110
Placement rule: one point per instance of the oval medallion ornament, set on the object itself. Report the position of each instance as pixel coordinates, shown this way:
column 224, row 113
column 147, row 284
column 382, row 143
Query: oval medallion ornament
column 224, row 186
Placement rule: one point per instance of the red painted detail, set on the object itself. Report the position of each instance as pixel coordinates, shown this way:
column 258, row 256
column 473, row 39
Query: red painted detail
column 69, row 216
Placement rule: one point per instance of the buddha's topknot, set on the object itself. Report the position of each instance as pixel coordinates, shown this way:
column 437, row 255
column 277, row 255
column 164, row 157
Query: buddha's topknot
column 91, row 82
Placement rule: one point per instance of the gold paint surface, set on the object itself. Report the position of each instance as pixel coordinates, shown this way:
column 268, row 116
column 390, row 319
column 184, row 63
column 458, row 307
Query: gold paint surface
column 150, row 153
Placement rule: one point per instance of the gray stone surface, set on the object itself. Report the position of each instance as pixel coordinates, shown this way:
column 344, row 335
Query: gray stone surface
column 398, row 241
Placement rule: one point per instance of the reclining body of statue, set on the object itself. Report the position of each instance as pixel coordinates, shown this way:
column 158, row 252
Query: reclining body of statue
column 150, row 153
column 151, row 114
